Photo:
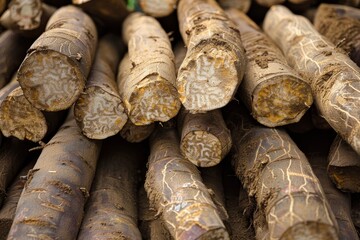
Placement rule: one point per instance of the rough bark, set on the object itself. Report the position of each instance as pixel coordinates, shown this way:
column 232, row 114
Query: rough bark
column 274, row 93
column 7, row 212
column 22, row 120
column 132, row 133
column 334, row 78
column 241, row 5
column 13, row 49
column 13, row 156
column 54, row 195
column 341, row 25
column 111, row 211
column 29, row 18
column 205, row 139
column 99, row 110
column 215, row 61
column 158, row 8
column 109, row 13
column 54, row 72
column 175, row 189
column 152, row 227
column 344, row 166
column 274, row 171
column 146, row 77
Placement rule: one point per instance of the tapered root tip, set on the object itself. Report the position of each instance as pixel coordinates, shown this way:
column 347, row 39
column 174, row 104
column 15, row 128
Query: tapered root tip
column 201, row 148
column 99, row 113
column 310, row 230
column 277, row 103
column 209, row 80
column 20, row 119
column 51, row 81
column 157, row 101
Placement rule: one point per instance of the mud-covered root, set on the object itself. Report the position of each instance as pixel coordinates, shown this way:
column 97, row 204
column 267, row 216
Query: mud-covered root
column 99, row 110
column 275, row 172
column 341, row 25
column 241, row 5
column 54, row 72
column 133, row 133
column 333, row 77
column 176, row 191
column 344, row 166
column 158, row 8
column 54, row 195
column 7, row 212
column 146, row 78
column 111, row 211
column 215, row 61
column 205, row 139
column 13, row 49
column 275, row 94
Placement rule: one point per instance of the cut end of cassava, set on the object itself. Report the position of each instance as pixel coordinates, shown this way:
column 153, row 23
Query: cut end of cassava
column 310, row 230
column 51, row 81
column 201, row 148
column 99, row 113
column 26, row 14
column 345, row 178
column 281, row 102
column 209, row 80
column 20, row 119
column 215, row 234
column 157, row 101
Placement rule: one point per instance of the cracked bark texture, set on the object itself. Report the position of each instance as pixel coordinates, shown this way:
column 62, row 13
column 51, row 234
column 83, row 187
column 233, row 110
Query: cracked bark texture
column 29, row 18
column 274, row 93
column 344, row 166
column 158, row 8
column 334, row 78
column 272, row 169
column 7, row 212
column 215, row 61
column 341, row 25
column 111, row 211
column 99, row 110
column 13, row 49
column 146, row 77
column 57, row 188
column 69, row 43
column 205, row 139
column 176, row 190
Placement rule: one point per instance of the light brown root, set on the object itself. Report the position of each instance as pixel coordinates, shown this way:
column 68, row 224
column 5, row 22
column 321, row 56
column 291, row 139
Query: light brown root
column 99, row 113
column 209, row 81
column 20, row 119
column 158, row 8
column 309, row 230
column 201, row 148
column 280, row 103
column 51, row 80
column 156, row 101
column 26, row 14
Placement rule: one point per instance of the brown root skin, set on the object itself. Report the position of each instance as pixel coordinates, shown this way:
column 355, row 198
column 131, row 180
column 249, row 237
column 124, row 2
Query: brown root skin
column 99, row 110
column 278, row 175
column 212, row 41
column 111, row 209
column 341, row 25
column 7, row 212
column 132, row 133
column 334, row 78
column 205, row 139
column 176, row 191
column 243, row 5
column 344, row 166
column 158, row 8
column 273, row 91
column 54, row 196
column 69, row 43
column 147, row 84
column 13, row 49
